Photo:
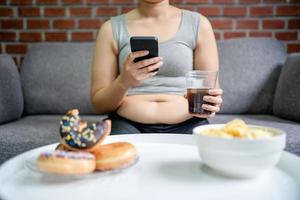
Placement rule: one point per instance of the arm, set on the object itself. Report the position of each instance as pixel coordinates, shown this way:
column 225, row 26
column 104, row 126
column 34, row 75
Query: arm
column 109, row 89
column 106, row 91
column 206, row 58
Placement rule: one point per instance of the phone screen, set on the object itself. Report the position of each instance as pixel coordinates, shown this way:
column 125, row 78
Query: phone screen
column 149, row 43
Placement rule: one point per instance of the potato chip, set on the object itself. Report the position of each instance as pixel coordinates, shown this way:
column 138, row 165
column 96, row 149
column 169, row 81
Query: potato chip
column 237, row 128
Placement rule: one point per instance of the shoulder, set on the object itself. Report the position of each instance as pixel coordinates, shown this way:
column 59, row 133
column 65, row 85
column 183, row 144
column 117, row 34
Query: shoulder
column 205, row 29
column 205, row 24
column 105, row 35
column 200, row 21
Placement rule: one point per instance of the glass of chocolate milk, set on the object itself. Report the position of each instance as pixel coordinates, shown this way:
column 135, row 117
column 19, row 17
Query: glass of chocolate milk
column 198, row 83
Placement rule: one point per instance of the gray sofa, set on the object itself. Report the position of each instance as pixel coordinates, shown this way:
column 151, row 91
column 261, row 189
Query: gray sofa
column 260, row 81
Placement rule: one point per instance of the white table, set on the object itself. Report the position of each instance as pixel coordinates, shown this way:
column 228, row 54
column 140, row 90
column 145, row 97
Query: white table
column 168, row 168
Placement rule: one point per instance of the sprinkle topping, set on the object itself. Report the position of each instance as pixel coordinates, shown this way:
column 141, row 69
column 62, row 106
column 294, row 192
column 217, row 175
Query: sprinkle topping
column 66, row 154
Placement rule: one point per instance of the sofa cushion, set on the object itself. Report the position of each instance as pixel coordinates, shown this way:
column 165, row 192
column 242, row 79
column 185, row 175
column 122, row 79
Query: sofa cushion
column 249, row 70
column 11, row 97
column 56, row 77
column 31, row 132
column 287, row 98
column 291, row 128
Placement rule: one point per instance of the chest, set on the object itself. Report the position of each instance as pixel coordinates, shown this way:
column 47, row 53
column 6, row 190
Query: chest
column 155, row 27
column 178, row 57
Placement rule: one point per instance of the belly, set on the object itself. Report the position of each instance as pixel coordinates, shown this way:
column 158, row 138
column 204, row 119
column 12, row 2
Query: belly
column 153, row 109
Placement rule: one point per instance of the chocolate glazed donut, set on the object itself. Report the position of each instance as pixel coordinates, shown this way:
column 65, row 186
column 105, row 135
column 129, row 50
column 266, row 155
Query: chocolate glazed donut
column 76, row 135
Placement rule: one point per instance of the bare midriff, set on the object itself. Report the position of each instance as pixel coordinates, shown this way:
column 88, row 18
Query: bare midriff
column 155, row 109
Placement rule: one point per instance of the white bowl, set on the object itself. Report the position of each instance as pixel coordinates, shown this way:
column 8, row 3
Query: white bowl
column 238, row 157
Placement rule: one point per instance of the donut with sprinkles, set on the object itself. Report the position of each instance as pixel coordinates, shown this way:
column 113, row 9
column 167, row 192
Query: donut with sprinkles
column 77, row 135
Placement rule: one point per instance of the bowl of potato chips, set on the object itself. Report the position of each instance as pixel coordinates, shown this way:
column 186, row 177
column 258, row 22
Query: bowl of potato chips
column 239, row 150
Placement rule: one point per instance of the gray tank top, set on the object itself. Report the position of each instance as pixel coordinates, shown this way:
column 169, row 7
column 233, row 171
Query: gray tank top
column 177, row 53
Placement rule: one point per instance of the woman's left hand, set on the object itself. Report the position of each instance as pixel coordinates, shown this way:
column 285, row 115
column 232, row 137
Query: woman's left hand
column 212, row 103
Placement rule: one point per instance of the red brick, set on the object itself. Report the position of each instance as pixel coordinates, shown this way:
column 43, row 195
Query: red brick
column 64, row 24
column 186, row 7
column 97, row 1
column 89, row 23
column 293, row 48
column 247, row 24
column 20, row 2
column 234, row 11
column 210, row 11
column 196, row 1
column 122, row 1
column 107, row 11
column 38, row 24
column 176, row 1
column 286, row 35
column 72, row 1
column 46, row 1
column 273, row 24
column 29, row 12
column 224, row 1
column 221, row 23
column 261, row 11
column 294, row 24
column 126, row 9
column 12, row 24
column 276, row 1
column 30, row 37
column 7, row 36
column 56, row 36
column 6, row 12
column 228, row 35
column 260, row 34
column 249, row 1
column 16, row 48
column 82, row 36
column 54, row 12
column 80, row 11
column 288, row 10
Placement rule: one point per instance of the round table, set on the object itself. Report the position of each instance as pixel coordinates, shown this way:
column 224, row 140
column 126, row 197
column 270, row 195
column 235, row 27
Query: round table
column 169, row 167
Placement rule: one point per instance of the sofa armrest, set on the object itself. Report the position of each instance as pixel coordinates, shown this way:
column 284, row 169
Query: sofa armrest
column 11, row 96
column 286, row 102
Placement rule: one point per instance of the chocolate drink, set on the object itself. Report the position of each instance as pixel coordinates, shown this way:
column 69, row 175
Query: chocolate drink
column 195, row 99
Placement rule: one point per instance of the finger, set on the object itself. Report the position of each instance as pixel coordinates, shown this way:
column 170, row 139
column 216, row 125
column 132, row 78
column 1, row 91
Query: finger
column 210, row 108
column 201, row 115
column 213, row 99
column 136, row 54
column 148, row 75
column 147, row 62
column 215, row 92
column 150, row 68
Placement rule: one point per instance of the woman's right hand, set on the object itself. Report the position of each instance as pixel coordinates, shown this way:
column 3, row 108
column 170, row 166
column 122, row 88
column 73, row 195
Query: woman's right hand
column 133, row 73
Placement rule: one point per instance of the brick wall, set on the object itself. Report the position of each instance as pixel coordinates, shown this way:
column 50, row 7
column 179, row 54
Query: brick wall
column 24, row 22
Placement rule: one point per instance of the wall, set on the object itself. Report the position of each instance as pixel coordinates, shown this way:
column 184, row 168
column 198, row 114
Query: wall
column 24, row 22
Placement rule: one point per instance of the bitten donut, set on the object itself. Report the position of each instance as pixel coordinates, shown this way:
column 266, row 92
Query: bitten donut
column 76, row 135
column 66, row 163
column 115, row 155
column 61, row 147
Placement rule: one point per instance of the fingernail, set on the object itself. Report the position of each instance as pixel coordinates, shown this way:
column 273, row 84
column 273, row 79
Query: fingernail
column 161, row 58
column 146, row 52
column 205, row 98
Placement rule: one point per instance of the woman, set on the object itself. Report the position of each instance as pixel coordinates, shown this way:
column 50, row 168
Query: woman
column 142, row 101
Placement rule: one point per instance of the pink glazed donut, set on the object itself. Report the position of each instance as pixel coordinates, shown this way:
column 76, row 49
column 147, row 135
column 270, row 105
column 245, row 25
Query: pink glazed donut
column 66, row 163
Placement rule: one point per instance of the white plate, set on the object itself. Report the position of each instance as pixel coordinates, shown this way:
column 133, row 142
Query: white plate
column 169, row 168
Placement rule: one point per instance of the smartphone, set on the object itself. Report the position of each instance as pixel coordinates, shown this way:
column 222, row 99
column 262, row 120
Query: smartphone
column 149, row 43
